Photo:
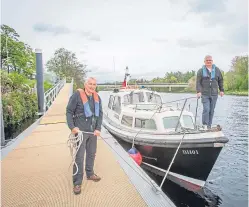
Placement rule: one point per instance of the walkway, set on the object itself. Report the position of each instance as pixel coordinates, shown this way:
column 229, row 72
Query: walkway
column 36, row 172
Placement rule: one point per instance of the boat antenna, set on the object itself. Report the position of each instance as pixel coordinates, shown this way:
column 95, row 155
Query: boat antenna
column 196, row 111
column 114, row 70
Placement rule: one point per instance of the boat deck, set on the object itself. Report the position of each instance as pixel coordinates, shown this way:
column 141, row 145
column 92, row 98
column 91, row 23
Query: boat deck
column 35, row 169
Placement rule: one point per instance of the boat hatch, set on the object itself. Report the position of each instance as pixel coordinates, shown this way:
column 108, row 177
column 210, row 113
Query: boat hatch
column 144, row 97
column 170, row 122
column 150, row 107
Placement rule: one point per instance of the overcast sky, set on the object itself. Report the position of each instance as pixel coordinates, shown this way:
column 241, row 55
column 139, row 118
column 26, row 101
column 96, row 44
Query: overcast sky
column 150, row 37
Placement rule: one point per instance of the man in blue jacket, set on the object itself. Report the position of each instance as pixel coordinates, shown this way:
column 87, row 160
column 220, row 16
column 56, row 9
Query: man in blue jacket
column 84, row 113
column 208, row 84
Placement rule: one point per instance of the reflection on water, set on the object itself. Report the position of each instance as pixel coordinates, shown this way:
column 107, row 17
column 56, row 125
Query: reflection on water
column 182, row 197
column 14, row 131
column 227, row 184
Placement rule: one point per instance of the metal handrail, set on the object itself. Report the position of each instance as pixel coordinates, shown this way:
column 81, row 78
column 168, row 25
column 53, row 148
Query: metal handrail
column 161, row 105
column 52, row 93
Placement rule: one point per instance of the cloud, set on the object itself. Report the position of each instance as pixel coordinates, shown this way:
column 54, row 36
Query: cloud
column 82, row 52
column 239, row 35
column 94, row 38
column 189, row 43
column 203, row 6
column 227, row 16
column 89, row 35
column 62, row 30
column 56, row 30
column 175, row 30
column 160, row 40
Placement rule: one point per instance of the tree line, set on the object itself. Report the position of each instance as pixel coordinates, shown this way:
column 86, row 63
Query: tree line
column 235, row 80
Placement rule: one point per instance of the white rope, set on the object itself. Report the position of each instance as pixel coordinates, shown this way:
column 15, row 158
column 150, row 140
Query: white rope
column 172, row 161
column 74, row 147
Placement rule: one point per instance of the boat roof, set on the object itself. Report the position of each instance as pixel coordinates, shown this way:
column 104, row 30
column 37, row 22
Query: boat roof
column 124, row 92
column 149, row 110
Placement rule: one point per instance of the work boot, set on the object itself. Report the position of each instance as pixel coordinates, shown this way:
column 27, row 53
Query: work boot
column 77, row 189
column 94, row 178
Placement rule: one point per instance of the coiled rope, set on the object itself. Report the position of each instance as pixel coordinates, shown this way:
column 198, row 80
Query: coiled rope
column 74, row 142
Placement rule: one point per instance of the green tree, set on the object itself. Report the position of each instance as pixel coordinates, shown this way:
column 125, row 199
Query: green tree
column 172, row 79
column 237, row 77
column 192, row 83
column 16, row 55
column 65, row 65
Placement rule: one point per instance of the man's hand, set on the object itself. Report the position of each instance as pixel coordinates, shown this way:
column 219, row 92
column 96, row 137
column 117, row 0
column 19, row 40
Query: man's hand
column 199, row 95
column 96, row 133
column 221, row 93
column 75, row 130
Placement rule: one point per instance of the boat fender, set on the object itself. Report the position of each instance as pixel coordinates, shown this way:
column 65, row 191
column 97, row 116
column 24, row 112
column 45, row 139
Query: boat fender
column 135, row 155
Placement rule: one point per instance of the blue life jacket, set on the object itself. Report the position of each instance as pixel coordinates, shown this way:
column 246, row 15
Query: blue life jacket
column 87, row 110
column 205, row 74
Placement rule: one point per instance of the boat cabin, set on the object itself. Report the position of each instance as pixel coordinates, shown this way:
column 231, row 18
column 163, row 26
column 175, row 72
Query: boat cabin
column 134, row 109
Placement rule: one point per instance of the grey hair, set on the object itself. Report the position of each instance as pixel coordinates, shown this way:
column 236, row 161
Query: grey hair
column 88, row 78
column 208, row 56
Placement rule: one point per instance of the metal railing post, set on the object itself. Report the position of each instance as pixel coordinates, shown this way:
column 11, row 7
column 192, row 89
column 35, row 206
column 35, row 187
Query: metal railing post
column 2, row 125
column 181, row 114
column 39, row 80
column 196, row 112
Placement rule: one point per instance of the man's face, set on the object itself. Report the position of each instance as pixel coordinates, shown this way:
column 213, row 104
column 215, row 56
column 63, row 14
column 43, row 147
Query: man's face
column 208, row 61
column 90, row 85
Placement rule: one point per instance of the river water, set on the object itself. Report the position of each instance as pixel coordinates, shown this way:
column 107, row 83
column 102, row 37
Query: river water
column 227, row 184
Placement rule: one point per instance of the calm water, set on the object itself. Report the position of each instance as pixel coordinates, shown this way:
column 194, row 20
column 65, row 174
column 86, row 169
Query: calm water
column 227, row 184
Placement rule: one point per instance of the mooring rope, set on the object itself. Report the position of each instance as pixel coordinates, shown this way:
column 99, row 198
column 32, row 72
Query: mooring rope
column 74, row 142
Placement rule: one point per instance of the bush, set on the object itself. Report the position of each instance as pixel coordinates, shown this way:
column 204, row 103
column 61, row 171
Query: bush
column 18, row 106
column 18, row 101
column 47, row 86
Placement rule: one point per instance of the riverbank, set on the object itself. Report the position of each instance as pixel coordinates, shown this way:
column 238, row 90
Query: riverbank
column 19, row 102
column 237, row 93
column 176, row 90
column 233, row 93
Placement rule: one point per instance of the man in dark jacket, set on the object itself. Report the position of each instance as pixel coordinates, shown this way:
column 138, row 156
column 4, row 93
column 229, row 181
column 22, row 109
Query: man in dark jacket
column 209, row 81
column 84, row 113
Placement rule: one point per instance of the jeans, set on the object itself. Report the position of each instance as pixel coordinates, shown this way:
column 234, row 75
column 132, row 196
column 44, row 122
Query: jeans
column 209, row 103
column 89, row 145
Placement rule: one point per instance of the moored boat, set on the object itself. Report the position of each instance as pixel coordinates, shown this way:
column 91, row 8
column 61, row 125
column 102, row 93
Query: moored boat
column 164, row 134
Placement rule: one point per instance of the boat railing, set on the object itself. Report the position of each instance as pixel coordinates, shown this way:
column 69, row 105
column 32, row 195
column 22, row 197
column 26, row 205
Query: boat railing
column 157, row 105
column 159, row 108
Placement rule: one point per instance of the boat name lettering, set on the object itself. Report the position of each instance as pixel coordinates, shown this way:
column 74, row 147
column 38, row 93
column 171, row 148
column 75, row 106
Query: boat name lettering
column 190, row 152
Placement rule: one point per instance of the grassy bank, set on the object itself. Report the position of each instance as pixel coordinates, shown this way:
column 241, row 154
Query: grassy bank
column 237, row 93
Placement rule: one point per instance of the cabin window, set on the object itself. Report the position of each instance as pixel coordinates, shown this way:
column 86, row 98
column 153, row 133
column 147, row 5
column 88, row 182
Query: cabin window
column 153, row 98
column 170, row 122
column 188, row 121
column 110, row 102
column 127, row 120
column 138, row 97
column 127, row 99
column 117, row 105
column 145, row 123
